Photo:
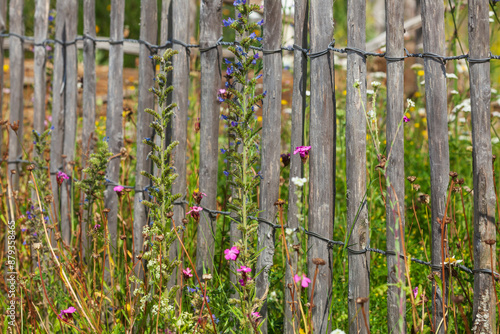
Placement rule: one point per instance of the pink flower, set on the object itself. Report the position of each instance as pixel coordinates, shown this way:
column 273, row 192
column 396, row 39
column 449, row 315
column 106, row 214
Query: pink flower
column 256, row 315
column 96, row 226
column 303, row 151
column 305, row 280
column 232, row 253
column 61, row 176
column 406, row 119
column 67, row 314
column 198, row 196
column 415, row 292
column 118, row 189
column 245, row 280
column 244, row 269
column 195, row 212
column 187, row 273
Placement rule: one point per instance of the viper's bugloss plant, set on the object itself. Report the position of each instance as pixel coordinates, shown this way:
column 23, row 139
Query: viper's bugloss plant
column 240, row 99
column 156, row 299
column 34, row 219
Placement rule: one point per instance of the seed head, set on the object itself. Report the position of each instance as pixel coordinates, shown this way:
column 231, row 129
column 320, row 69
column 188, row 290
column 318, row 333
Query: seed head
column 318, row 261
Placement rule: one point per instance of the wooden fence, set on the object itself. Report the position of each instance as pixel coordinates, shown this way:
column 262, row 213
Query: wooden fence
column 317, row 17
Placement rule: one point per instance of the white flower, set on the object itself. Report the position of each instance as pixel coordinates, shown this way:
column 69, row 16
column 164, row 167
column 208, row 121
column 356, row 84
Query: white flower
column 299, row 182
column 371, row 114
column 416, row 66
column 410, row 103
column 357, row 83
column 376, row 84
column 494, row 91
column 369, row 92
column 422, row 82
column 491, row 20
column 451, row 76
column 452, row 261
column 495, row 113
column 337, row 331
column 454, row 92
column 462, row 120
column 308, row 93
column 495, row 140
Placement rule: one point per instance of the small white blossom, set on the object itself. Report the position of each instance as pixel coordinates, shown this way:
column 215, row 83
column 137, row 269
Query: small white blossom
column 337, row 331
column 454, row 92
column 371, row 114
column 369, row 92
column 299, row 182
column 410, row 103
column 451, row 76
column 376, row 84
column 357, row 83
column 379, row 75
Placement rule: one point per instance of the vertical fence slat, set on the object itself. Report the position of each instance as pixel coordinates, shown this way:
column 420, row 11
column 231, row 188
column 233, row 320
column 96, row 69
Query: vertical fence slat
column 437, row 121
column 16, row 63
column 56, row 143
column 270, row 146
column 211, row 81
column 3, row 24
column 149, row 30
column 322, row 157
column 70, row 106
column 395, row 181
column 114, row 128
column 180, row 80
column 41, row 26
column 357, row 212
column 484, row 193
column 297, row 139
column 89, row 100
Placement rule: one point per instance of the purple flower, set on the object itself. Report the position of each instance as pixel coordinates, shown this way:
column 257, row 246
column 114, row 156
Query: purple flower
column 222, row 151
column 227, row 22
column 303, row 151
column 259, row 39
column 61, row 176
column 239, row 2
column 67, row 314
column 230, row 70
column 261, row 22
column 233, row 123
column 415, row 292
column 253, row 36
column 406, row 119
column 226, row 173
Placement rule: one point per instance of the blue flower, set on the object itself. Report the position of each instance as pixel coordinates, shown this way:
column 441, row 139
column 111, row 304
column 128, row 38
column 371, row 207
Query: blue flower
column 220, row 99
column 233, row 123
column 224, row 117
column 261, row 22
column 227, row 61
column 51, row 18
column 230, row 70
column 106, row 139
column 239, row 2
column 253, row 35
column 226, row 173
column 265, row 93
column 226, row 84
column 239, row 15
column 259, row 39
column 190, row 290
column 258, row 77
column 147, row 139
column 223, row 151
column 30, row 215
column 215, row 318
column 227, row 22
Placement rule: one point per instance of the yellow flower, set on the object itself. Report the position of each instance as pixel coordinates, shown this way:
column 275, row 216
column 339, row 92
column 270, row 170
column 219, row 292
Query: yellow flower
column 420, row 73
column 157, row 67
column 417, row 94
column 6, row 67
column 344, row 92
column 284, row 102
column 128, row 307
column 301, row 331
column 131, row 87
column 257, row 32
column 97, row 29
column 108, row 8
column 259, row 118
column 424, row 133
column 412, row 108
column 417, row 125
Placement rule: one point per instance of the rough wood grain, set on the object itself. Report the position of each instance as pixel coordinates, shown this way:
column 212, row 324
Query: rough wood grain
column 395, row 178
column 148, row 33
column 357, row 211
column 3, row 21
column 41, row 25
column 484, row 193
column 16, row 58
column 322, row 156
column 114, row 128
column 211, row 81
column 56, row 143
column 437, row 121
column 297, row 139
column 70, row 108
column 270, row 147
column 180, row 32
column 89, row 100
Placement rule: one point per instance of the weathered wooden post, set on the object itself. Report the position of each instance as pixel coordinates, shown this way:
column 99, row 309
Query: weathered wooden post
column 484, row 193
column 357, row 211
column 437, row 121
column 41, row 26
column 270, row 145
column 69, row 115
column 57, row 137
column 89, row 98
column 16, row 65
column 149, row 32
column 297, row 139
column 211, row 81
column 395, row 178
column 114, row 127
column 322, row 155
column 180, row 80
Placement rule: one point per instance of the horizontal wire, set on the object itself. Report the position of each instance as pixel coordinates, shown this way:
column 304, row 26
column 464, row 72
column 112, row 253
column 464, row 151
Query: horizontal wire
column 331, row 47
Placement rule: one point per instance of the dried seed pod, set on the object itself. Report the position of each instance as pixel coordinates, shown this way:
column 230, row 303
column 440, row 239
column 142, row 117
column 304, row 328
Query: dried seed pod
column 160, row 237
column 461, row 181
column 123, row 237
column 139, row 257
column 411, row 178
column 169, row 214
column 416, row 187
column 453, row 174
column 318, row 261
column 106, row 210
column 30, row 167
column 457, row 299
column 13, row 171
column 490, row 241
column 185, row 221
column 361, row 300
column 207, row 277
